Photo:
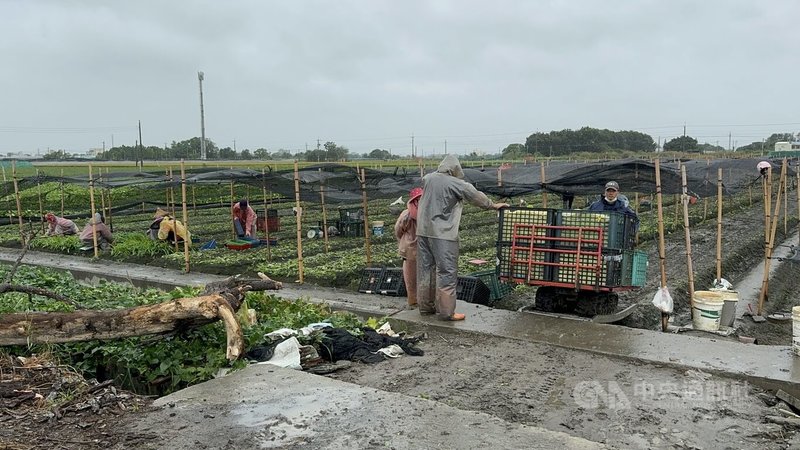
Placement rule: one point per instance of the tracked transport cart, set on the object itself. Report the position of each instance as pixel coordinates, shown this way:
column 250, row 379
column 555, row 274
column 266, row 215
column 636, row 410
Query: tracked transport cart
column 577, row 259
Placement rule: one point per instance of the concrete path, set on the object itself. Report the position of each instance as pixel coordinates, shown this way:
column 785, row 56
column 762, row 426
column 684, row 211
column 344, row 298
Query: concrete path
column 770, row 367
column 284, row 408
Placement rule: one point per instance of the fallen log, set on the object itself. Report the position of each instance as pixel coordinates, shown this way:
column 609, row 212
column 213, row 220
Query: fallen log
column 161, row 318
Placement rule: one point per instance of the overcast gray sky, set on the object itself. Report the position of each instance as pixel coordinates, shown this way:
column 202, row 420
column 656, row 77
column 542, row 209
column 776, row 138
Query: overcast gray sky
column 368, row 74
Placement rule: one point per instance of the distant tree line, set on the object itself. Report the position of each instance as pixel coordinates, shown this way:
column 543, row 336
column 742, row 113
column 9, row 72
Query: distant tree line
column 551, row 144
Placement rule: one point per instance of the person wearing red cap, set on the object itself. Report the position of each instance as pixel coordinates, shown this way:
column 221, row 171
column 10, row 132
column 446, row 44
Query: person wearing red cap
column 60, row 226
column 405, row 230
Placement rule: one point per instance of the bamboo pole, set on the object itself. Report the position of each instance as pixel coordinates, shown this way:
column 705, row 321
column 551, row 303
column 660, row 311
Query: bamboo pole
column 91, row 220
column 324, row 214
column 785, row 204
column 677, row 208
column 166, row 191
column 61, row 188
column 544, row 193
column 41, row 206
column 719, row 225
column 266, row 213
column 233, row 225
column 299, row 225
column 499, row 177
column 798, row 202
column 662, row 259
column 771, row 240
column 172, row 198
column 187, row 240
column 102, row 196
column 4, row 172
column 19, row 203
column 108, row 217
column 367, row 249
column 685, row 201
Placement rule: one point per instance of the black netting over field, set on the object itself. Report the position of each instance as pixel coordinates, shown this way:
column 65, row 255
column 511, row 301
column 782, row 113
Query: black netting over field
column 342, row 184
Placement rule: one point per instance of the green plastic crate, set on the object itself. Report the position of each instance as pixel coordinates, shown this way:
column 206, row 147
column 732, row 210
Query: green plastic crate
column 634, row 268
column 498, row 289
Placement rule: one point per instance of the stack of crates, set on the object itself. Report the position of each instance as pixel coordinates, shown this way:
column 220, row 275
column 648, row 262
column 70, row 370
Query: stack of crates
column 351, row 222
column 272, row 220
column 514, row 252
column 574, row 247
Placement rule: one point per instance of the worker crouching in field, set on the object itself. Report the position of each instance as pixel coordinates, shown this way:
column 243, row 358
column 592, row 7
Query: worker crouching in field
column 438, row 219
column 96, row 225
column 164, row 228
column 244, row 220
column 60, row 226
column 405, row 230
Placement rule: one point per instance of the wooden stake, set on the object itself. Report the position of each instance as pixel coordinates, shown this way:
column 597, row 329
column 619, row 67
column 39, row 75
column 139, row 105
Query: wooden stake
column 324, row 214
column 499, row 177
column 19, row 203
column 771, row 239
column 188, row 240
column 39, row 194
column 367, row 249
column 544, row 193
column 785, row 204
column 299, row 225
column 91, row 220
column 685, row 201
column 266, row 212
column 102, row 196
column 61, row 188
column 233, row 199
column 661, row 244
column 719, row 224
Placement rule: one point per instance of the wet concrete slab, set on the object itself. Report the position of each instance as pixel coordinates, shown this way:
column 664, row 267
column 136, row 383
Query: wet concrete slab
column 284, row 408
column 771, row 367
column 765, row 365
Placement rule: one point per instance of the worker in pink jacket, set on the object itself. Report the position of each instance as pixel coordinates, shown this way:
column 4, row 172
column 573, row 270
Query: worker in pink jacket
column 60, row 226
column 244, row 220
column 405, row 230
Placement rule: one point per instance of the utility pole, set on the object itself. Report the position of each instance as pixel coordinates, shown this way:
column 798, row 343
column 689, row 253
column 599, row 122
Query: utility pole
column 413, row 149
column 234, row 146
column 730, row 148
column 445, row 146
column 140, row 144
column 202, row 120
column 112, row 141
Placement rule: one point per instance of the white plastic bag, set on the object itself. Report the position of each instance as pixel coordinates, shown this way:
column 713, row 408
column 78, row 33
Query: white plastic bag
column 723, row 284
column 662, row 300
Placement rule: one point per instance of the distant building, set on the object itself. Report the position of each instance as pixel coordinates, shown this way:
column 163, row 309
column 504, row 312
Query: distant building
column 786, row 149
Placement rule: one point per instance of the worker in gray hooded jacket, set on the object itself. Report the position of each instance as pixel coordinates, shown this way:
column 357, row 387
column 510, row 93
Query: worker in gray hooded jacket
column 438, row 219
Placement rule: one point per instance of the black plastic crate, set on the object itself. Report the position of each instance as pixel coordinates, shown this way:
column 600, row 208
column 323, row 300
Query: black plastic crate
column 619, row 229
column 393, row 283
column 371, row 279
column 351, row 215
column 350, row 229
column 524, row 216
column 473, row 290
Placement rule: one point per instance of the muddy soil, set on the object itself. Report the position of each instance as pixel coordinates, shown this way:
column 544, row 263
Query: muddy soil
column 623, row 404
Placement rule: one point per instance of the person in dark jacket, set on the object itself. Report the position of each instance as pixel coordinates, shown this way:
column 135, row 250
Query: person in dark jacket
column 611, row 201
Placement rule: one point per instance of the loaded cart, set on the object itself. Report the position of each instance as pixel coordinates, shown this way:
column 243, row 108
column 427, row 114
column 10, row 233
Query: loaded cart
column 577, row 259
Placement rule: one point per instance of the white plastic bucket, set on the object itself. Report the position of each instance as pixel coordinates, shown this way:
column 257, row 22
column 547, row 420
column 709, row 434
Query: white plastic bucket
column 796, row 330
column 707, row 310
column 728, row 316
column 377, row 228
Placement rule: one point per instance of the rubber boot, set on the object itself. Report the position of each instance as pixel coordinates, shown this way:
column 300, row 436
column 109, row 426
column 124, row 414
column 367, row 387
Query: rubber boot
column 446, row 302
